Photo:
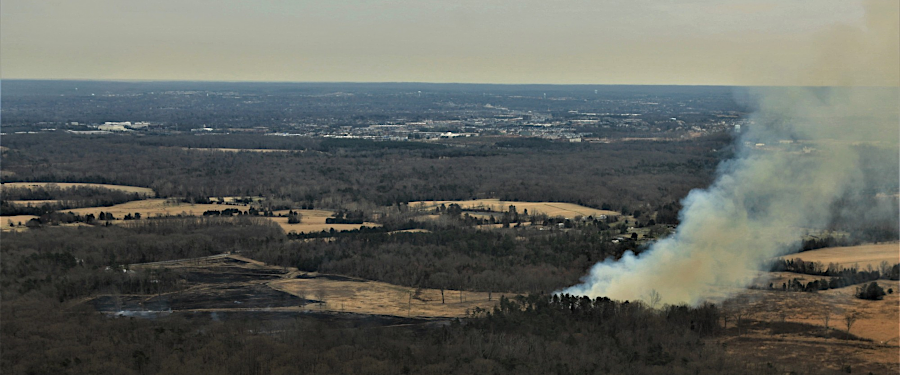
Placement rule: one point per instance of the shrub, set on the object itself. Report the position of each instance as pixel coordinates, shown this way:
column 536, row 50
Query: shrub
column 870, row 291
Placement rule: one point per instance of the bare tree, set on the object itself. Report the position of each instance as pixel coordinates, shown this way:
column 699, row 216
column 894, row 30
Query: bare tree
column 850, row 318
column 653, row 298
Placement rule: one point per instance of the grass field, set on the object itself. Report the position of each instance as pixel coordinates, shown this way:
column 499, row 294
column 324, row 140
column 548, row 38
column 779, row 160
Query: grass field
column 232, row 283
column 128, row 189
column 862, row 256
column 553, row 209
column 339, row 294
column 786, row 326
column 313, row 220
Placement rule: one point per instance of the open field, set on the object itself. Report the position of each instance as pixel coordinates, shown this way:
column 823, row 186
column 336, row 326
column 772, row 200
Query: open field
column 152, row 207
column 313, row 220
column 128, row 189
column 342, row 294
column 553, row 209
column 787, row 326
column 863, row 255
column 35, row 202
column 4, row 222
column 232, row 283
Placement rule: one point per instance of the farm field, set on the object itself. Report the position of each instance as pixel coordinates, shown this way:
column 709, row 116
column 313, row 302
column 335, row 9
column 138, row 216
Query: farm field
column 313, row 220
column 128, row 189
column 863, row 255
column 553, row 209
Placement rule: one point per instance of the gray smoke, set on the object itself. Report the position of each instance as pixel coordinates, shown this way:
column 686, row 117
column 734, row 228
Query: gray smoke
column 803, row 151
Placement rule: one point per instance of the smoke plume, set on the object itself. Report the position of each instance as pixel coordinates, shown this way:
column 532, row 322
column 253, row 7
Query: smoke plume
column 805, row 150
column 811, row 158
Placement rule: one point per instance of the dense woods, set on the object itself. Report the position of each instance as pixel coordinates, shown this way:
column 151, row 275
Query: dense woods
column 331, row 174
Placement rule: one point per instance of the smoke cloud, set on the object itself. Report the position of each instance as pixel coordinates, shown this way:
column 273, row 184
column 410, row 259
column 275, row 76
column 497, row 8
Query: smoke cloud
column 812, row 158
column 804, row 150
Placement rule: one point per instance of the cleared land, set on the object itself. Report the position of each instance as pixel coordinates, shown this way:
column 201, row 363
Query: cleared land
column 784, row 327
column 35, row 202
column 553, row 209
column 128, row 189
column 313, row 220
column 233, row 284
column 16, row 220
column 863, row 255
column 342, row 294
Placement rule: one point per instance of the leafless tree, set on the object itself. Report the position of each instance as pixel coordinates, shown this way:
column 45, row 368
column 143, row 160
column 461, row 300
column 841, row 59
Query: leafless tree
column 653, row 298
column 850, row 318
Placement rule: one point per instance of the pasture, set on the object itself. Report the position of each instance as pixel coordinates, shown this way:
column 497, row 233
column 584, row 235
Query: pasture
column 860, row 256
column 63, row 185
column 552, row 209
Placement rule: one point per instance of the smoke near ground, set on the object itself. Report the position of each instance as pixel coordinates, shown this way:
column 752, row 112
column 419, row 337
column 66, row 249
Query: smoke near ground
column 812, row 159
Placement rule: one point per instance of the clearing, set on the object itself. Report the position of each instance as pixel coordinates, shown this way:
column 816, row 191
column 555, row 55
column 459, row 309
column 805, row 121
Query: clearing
column 230, row 283
column 862, row 255
column 313, row 220
column 552, row 209
column 127, row 189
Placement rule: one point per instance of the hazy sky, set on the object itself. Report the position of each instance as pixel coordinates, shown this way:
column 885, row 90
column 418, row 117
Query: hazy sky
column 731, row 42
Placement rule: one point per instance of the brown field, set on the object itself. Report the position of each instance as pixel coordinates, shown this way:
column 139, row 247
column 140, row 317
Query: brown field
column 314, row 221
column 553, row 209
column 129, row 189
column 863, row 255
column 377, row 298
column 232, row 283
column 153, row 207
column 789, row 327
column 4, row 222
column 34, row 202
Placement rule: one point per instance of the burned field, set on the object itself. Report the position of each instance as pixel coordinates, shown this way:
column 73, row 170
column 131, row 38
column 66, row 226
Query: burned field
column 234, row 287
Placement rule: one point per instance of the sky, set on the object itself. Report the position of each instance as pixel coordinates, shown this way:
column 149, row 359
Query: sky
column 691, row 42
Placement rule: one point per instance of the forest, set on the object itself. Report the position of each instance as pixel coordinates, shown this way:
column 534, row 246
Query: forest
column 46, row 272
column 58, row 264
column 335, row 174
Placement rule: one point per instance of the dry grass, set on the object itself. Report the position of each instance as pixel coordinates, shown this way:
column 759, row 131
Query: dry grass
column 152, row 207
column 4, row 222
column 863, row 255
column 878, row 321
column 377, row 298
column 128, row 189
column 35, row 202
column 335, row 293
column 553, row 209
column 314, row 221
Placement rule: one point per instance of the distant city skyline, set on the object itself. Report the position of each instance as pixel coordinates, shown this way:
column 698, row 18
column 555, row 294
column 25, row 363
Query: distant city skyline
column 701, row 42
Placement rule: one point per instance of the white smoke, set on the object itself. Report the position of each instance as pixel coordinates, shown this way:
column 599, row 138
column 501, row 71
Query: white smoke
column 800, row 155
column 806, row 149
